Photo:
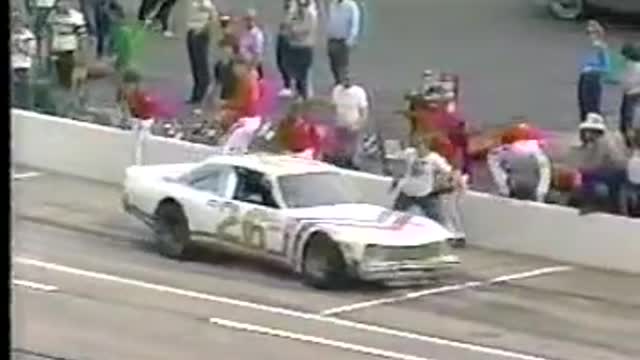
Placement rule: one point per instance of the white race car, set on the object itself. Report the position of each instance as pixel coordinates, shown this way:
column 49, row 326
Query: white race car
column 301, row 213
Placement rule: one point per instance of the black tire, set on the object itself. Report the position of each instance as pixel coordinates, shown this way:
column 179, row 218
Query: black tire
column 323, row 265
column 576, row 12
column 171, row 231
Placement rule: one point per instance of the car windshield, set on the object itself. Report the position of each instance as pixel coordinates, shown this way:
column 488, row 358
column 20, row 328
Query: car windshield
column 317, row 189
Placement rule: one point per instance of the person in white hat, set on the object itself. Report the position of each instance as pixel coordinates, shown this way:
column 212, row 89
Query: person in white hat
column 601, row 163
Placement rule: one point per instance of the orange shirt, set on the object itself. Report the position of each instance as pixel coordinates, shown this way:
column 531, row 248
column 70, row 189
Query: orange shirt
column 247, row 96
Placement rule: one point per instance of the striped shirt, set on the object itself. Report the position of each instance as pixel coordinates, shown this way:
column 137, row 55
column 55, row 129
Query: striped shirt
column 67, row 30
column 200, row 13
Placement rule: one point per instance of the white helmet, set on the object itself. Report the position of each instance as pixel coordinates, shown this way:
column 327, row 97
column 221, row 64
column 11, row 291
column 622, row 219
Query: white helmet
column 595, row 122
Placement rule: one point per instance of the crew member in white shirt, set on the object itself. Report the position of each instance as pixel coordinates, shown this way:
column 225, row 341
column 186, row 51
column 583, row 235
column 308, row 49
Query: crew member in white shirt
column 69, row 35
column 201, row 15
column 629, row 111
column 23, row 51
column 352, row 111
column 417, row 187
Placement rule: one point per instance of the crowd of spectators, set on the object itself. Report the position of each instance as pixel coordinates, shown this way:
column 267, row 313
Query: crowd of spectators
column 65, row 40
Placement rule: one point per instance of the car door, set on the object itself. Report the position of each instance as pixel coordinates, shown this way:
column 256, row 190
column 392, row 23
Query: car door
column 207, row 190
column 254, row 219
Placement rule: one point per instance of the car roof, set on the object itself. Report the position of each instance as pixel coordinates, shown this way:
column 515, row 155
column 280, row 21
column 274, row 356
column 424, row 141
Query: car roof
column 272, row 164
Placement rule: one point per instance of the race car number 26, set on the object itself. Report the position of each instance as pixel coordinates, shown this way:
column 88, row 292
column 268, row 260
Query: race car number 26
column 246, row 229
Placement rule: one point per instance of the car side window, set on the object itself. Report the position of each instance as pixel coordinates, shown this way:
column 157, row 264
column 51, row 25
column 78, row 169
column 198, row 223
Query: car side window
column 214, row 181
column 255, row 188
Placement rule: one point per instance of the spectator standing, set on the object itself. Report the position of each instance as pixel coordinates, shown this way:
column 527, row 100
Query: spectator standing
column 630, row 92
column 108, row 14
column 352, row 111
column 68, row 33
column 252, row 42
column 302, row 38
column 282, row 49
column 519, row 166
column 343, row 28
column 593, row 68
column 23, row 52
column 630, row 194
column 225, row 81
column 201, row 16
column 162, row 13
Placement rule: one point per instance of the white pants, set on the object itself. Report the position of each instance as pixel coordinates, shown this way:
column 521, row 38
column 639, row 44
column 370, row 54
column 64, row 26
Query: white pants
column 242, row 135
column 141, row 131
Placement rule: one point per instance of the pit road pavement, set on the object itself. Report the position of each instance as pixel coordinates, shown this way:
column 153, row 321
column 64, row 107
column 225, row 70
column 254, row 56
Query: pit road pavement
column 101, row 292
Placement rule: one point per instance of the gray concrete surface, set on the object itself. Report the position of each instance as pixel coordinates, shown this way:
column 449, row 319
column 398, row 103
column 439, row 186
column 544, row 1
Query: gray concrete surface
column 576, row 314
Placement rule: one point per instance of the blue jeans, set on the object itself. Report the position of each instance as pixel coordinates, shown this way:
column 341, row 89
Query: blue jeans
column 589, row 94
column 299, row 64
column 612, row 179
column 430, row 205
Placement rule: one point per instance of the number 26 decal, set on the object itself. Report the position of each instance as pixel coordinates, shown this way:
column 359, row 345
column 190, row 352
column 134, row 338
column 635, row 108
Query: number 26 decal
column 251, row 233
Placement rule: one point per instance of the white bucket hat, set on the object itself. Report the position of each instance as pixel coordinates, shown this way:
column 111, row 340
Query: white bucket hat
column 594, row 122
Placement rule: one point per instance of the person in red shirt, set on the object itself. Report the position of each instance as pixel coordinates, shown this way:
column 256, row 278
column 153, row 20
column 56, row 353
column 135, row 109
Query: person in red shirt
column 136, row 101
column 297, row 134
column 139, row 109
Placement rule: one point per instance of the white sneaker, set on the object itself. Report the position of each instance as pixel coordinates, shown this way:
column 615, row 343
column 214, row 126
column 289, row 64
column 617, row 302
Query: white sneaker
column 168, row 34
column 285, row 93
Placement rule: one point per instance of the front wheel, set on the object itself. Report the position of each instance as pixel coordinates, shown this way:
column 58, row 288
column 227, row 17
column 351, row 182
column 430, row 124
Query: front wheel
column 567, row 9
column 323, row 265
column 171, row 231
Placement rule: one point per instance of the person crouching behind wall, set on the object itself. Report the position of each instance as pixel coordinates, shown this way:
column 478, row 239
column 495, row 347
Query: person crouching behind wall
column 427, row 177
column 601, row 166
column 519, row 166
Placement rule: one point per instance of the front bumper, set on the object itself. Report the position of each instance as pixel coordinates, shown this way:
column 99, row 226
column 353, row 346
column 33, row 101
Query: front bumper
column 404, row 270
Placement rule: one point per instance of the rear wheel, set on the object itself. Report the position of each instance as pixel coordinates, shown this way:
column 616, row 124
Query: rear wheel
column 323, row 265
column 567, row 9
column 171, row 231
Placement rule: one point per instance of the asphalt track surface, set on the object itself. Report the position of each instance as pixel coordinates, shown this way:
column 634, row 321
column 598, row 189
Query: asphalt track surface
column 87, row 284
column 512, row 57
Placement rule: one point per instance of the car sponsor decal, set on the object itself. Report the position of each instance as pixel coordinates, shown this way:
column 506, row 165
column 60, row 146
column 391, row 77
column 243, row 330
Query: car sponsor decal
column 252, row 232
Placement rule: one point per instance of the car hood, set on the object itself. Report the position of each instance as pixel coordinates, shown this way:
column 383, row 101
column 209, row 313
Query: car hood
column 165, row 171
column 371, row 224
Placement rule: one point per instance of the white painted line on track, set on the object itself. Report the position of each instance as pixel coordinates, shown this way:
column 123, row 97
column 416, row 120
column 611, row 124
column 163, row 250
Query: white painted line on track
column 263, row 330
column 278, row 310
column 22, row 176
column 34, row 285
column 444, row 289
